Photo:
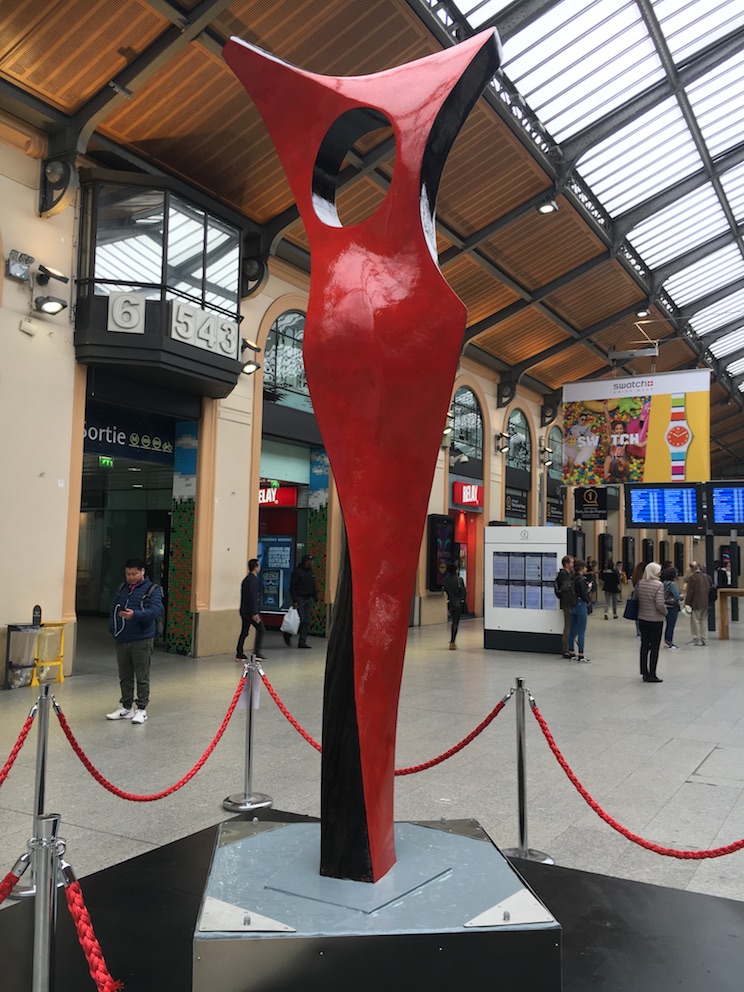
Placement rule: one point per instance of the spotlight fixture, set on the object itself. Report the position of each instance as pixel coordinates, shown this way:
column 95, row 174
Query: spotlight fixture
column 45, row 274
column 17, row 265
column 447, row 429
column 548, row 206
column 503, row 448
column 49, row 304
column 250, row 367
column 644, row 310
column 247, row 345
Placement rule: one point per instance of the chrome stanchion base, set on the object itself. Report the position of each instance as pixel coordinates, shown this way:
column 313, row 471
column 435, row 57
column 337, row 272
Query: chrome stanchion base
column 529, row 855
column 21, row 891
column 243, row 803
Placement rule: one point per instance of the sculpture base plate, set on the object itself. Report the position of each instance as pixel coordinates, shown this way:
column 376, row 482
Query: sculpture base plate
column 451, row 911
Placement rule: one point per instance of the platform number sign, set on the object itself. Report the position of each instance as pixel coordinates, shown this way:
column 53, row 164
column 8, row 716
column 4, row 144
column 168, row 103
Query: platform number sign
column 204, row 329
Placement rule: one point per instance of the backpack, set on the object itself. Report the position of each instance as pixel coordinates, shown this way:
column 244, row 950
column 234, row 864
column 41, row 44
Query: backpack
column 160, row 618
column 669, row 598
column 565, row 587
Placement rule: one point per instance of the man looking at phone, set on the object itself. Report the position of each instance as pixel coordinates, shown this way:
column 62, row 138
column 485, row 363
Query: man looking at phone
column 132, row 623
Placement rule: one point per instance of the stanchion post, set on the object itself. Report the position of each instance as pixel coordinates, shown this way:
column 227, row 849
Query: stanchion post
column 45, row 853
column 249, row 800
column 523, row 851
column 43, row 703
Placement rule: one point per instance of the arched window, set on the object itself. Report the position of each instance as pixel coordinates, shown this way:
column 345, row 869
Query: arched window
column 284, row 379
column 555, row 442
column 519, row 455
column 518, row 470
column 466, row 448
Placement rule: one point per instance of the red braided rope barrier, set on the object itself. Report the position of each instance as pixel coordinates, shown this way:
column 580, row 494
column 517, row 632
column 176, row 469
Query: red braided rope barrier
column 17, row 747
column 670, row 852
column 412, row 769
column 7, row 885
column 131, row 796
column 457, row 747
column 300, row 730
column 88, row 941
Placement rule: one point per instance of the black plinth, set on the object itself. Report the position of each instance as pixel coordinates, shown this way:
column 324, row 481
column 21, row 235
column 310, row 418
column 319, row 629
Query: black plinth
column 450, row 912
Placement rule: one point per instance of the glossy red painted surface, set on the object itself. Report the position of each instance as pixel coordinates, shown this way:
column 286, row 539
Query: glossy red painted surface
column 382, row 340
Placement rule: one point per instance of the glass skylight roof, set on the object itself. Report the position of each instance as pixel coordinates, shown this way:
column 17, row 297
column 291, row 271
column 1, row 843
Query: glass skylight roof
column 580, row 64
column 688, row 222
column 703, row 277
column 733, row 186
column 690, row 25
column 723, row 312
column 580, row 60
column 640, row 159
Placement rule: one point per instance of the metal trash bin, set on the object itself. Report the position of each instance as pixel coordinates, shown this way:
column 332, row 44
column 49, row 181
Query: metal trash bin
column 21, row 654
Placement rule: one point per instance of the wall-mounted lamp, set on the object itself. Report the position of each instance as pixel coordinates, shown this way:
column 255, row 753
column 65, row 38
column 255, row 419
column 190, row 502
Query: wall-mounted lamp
column 502, row 443
column 548, row 206
column 250, row 367
column 17, row 265
column 49, row 304
column 247, row 345
column 545, row 453
column 45, row 274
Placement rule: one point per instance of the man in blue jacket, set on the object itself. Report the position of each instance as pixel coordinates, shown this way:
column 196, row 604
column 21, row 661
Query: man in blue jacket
column 134, row 614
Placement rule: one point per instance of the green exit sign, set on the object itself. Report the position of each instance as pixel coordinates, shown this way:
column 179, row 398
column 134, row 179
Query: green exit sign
column 105, row 462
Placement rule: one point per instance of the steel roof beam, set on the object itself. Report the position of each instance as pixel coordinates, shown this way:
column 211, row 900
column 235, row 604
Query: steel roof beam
column 627, row 221
column 138, row 72
column 716, row 296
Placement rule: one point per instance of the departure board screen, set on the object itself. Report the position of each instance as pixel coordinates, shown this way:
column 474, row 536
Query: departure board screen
column 660, row 505
column 727, row 502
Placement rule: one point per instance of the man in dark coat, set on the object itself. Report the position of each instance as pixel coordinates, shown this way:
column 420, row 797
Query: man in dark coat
column 249, row 612
column 304, row 594
column 132, row 623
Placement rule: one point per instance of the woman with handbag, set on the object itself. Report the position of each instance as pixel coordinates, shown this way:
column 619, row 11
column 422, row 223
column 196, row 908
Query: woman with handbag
column 652, row 613
column 454, row 587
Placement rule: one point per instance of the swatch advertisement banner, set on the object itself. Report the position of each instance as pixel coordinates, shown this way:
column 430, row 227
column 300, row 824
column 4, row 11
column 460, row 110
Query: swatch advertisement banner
column 653, row 428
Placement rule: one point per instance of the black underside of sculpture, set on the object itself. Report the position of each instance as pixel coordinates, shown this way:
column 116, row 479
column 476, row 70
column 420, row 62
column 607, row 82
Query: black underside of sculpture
column 344, row 844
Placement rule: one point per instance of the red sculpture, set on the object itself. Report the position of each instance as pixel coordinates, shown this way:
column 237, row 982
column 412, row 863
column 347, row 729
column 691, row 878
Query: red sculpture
column 383, row 336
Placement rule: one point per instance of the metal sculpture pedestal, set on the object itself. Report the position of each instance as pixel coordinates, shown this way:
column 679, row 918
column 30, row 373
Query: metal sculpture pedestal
column 452, row 913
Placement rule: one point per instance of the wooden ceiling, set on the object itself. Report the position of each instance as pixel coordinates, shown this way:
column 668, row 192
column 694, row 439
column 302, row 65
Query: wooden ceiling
column 127, row 81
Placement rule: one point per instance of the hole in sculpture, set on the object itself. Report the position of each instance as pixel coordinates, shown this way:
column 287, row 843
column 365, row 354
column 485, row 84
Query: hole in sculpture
column 351, row 144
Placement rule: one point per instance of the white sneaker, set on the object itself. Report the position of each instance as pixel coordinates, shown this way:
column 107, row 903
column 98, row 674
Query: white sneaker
column 140, row 716
column 120, row 714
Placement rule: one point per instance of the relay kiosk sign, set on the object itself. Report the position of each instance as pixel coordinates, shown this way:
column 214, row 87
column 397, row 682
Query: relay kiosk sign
column 279, row 496
column 467, row 494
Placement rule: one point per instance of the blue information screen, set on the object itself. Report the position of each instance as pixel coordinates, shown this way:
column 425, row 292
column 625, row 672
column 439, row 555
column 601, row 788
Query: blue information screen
column 728, row 505
column 656, row 506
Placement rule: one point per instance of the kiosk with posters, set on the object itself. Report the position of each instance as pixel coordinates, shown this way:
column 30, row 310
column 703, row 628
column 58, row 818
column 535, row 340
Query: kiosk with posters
column 521, row 611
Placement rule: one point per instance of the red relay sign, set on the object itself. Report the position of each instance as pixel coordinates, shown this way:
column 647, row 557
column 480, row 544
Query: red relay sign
column 281, row 496
column 467, row 494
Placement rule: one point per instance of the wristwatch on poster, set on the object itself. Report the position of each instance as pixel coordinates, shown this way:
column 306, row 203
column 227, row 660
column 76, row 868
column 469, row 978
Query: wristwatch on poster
column 678, row 436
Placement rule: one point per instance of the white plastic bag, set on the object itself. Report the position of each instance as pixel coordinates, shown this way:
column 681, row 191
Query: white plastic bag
column 291, row 621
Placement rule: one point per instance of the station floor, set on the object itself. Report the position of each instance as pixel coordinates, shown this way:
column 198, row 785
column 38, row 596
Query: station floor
column 666, row 761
